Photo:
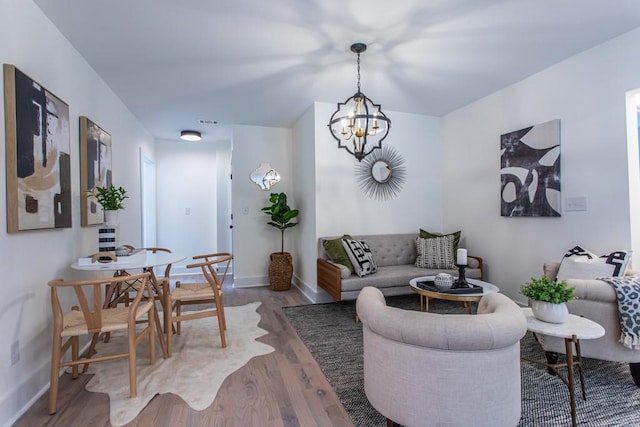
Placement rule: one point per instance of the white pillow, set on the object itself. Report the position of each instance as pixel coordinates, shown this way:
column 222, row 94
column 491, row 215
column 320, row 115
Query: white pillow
column 435, row 253
column 360, row 256
column 579, row 263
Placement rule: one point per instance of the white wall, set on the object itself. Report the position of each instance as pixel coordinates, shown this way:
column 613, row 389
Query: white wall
column 191, row 181
column 587, row 93
column 253, row 239
column 30, row 259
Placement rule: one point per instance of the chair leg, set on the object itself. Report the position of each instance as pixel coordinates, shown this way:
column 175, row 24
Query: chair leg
column 178, row 313
column 169, row 331
column 152, row 335
column 55, row 373
column 91, row 351
column 75, row 356
column 221, row 322
column 133, row 389
column 635, row 373
column 221, row 314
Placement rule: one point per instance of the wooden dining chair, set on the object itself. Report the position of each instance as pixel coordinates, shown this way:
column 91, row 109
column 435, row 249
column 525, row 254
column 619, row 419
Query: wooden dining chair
column 92, row 317
column 208, row 292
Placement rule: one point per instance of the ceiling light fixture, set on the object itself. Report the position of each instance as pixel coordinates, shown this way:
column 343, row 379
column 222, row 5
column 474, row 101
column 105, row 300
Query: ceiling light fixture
column 190, row 135
column 358, row 122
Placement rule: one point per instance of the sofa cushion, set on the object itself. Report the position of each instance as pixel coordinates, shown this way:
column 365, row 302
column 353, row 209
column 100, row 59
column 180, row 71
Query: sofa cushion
column 336, row 252
column 360, row 256
column 579, row 263
column 436, row 252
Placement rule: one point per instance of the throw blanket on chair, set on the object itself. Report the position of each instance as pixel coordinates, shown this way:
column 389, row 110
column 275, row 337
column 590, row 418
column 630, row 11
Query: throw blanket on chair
column 628, row 292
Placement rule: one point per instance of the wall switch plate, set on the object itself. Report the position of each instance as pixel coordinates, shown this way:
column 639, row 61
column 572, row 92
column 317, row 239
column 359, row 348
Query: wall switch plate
column 575, row 204
column 187, row 211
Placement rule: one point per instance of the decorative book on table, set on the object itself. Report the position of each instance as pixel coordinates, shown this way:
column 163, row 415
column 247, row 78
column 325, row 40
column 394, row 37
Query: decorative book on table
column 429, row 285
column 135, row 256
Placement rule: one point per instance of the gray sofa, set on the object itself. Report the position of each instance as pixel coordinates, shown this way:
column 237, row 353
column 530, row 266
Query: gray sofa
column 395, row 255
column 443, row 369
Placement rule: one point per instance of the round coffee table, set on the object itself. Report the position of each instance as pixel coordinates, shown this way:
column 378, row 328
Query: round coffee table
column 425, row 294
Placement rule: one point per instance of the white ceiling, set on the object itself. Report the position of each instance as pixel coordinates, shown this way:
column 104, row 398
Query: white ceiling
column 174, row 62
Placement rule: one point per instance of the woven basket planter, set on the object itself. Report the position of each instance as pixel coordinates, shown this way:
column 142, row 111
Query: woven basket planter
column 280, row 271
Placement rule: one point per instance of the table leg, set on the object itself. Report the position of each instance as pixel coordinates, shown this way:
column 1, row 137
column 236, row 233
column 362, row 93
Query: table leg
column 568, row 344
column 160, row 293
column 580, row 369
column 426, row 303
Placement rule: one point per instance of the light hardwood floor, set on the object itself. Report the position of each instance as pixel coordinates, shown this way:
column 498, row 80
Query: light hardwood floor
column 284, row 388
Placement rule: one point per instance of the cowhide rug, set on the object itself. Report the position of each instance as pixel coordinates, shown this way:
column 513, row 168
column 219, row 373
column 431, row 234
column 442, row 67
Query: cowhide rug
column 195, row 371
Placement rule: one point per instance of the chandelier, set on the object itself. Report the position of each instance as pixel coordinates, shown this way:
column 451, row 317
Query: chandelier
column 359, row 125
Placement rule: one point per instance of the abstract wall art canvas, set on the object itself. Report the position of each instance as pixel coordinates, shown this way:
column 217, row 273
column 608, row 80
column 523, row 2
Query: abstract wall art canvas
column 95, row 169
column 530, row 171
column 38, row 160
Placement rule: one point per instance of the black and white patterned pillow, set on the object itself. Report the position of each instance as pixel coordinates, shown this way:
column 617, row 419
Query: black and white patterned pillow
column 360, row 256
column 580, row 263
column 435, row 253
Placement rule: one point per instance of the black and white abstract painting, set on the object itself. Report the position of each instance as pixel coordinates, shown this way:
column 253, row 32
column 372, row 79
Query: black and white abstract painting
column 530, row 171
column 38, row 161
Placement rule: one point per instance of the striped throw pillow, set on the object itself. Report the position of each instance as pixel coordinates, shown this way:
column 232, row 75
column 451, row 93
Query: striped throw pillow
column 435, row 253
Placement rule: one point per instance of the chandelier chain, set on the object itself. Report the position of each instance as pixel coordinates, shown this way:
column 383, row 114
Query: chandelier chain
column 358, row 72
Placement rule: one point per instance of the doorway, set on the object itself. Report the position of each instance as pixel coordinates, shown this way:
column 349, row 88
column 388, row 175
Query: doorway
column 193, row 183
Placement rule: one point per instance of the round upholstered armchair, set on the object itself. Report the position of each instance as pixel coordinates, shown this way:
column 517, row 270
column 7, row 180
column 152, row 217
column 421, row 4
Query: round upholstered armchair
column 443, row 369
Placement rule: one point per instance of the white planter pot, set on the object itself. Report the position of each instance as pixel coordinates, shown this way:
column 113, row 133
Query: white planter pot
column 111, row 218
column 548, row 312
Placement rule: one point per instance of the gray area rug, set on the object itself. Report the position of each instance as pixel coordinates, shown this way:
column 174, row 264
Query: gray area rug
column 335, row 341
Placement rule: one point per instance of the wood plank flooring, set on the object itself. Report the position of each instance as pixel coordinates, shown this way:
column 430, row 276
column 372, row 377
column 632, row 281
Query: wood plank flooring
column 285, row 388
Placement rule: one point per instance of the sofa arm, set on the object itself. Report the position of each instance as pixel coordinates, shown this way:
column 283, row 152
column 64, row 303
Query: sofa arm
column 329, row 278
column 480, row 264
column 593, row 290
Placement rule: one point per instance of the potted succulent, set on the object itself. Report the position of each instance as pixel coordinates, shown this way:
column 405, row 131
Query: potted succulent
column 548, row 298
column 110, row 198
column 281, row 263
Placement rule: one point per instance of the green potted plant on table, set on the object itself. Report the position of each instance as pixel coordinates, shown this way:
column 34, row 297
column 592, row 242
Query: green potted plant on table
column 281, row 263
column 111, row 198
column 548, row 298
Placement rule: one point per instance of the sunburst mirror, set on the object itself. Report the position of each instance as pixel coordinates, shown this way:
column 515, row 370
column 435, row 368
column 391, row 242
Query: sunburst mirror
column 381, row 174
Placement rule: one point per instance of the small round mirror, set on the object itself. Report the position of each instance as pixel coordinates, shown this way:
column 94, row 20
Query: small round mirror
column 381, row 171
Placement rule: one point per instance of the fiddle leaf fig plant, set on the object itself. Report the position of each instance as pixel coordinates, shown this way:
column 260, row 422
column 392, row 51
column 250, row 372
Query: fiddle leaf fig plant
column 111, row 197
column 545, row 289
column 281, row 214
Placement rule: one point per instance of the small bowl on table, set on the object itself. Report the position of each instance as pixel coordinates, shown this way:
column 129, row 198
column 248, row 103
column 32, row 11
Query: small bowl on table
column 443, row 281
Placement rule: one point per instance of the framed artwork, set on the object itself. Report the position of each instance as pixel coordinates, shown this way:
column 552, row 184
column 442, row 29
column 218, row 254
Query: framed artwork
column 38, row 160
column 95, row 169
column 530, row 171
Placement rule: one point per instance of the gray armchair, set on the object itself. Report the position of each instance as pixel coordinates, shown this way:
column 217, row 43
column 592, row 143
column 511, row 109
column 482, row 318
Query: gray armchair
column 596, row 300
column 443, row 369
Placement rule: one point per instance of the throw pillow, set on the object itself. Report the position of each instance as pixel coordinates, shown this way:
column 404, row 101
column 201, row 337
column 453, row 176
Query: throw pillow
column 360, row 256
column 456, row 239
column 579, row 263
column 336, row 253
column 436, row 252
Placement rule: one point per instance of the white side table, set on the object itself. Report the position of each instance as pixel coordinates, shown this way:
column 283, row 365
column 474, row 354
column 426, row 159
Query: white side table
column 573, row 330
